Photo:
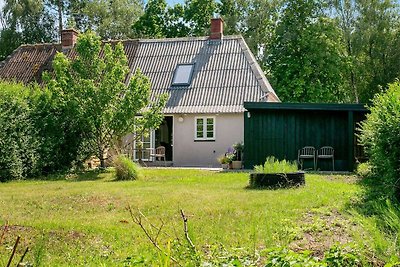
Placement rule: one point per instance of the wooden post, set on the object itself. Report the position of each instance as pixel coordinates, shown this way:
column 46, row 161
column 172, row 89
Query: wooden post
column 350, row 144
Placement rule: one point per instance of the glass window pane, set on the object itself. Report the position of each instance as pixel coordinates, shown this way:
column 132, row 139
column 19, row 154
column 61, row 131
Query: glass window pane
column 210, row 128
column 210, row 134
column 199, row 121
column 210, row 121
column 199, row 134
column 182, row 74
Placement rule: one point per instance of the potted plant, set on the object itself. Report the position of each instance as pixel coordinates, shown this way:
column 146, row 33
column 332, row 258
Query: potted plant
column 276, row 174
column 224, row 161
column 238, row 148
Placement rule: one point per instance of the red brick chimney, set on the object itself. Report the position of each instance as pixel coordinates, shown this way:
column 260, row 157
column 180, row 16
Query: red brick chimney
column 217, row 28
column 68, row 38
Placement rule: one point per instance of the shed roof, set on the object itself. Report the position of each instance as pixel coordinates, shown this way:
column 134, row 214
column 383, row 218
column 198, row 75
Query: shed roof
column 305, row 106
column 225, row 73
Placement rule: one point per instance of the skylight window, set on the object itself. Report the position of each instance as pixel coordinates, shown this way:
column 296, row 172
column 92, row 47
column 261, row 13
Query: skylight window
column 183, row 74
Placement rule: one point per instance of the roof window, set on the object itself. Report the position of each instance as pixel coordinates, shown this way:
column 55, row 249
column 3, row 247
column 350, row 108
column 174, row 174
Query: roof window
column 183, row 74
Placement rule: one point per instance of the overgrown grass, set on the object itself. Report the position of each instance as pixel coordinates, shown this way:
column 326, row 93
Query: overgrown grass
column 273, row 165
column 83, row 220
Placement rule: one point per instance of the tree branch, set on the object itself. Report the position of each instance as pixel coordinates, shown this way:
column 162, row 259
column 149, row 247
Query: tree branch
column 185, row 229
column 138, row 220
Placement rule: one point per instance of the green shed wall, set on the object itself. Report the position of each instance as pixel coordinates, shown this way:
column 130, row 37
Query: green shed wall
column 282, row 132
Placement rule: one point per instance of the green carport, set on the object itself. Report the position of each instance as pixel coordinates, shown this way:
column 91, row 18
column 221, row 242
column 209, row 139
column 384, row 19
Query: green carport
column 281, row 129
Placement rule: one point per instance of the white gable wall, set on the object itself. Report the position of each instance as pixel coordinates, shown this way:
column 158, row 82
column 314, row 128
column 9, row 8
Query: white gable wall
column 229, row 129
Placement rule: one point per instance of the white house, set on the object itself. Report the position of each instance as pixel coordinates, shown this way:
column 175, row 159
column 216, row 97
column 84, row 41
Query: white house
column 208, row 79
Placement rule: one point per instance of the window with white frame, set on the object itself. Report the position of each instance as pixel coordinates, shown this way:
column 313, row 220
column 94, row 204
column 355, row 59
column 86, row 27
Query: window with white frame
column 204, row 128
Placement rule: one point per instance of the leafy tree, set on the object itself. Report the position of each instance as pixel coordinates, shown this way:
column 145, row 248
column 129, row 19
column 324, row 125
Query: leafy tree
column 24, row 21
column 111, row 19
column 306, row 56
column 190, row 19
column 371, row 32
column 93, row 88
column 152, row 22
column 198, row 14
column 378, row 39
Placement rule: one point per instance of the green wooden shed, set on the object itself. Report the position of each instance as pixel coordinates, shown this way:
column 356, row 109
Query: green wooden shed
column 281, row 129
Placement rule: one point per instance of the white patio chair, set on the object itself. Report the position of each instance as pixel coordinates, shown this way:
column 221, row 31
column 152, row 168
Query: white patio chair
column 307, row 152
column 326, row 152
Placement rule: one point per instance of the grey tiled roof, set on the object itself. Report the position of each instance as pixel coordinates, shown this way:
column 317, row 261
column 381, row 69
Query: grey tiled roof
column 225, row 74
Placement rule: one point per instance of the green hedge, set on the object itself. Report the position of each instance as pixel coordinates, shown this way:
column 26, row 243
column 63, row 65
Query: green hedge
column 19, row 142
column 37, row 137
column 380, row 135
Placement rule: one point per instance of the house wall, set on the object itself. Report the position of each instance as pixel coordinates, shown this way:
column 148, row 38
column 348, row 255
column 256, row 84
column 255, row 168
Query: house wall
column 229, row 129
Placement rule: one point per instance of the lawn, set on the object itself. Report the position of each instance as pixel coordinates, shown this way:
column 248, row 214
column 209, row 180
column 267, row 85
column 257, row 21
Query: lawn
column 82, row 220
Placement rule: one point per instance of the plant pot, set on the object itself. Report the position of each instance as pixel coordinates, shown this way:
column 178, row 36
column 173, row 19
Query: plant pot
column 236, row 164
column 276, row 180
column 225, row 166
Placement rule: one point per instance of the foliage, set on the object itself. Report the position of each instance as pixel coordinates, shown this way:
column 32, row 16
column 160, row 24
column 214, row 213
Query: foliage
column 273, row 165
column 159, row 20
column 24, row 22
column 305, row 56
column 364, row 169
column 334, row 257
column 92, row 87
column 111, row 19
column 381, row 139
column 125, row 168
column 18, row 137
column 224, row 159
column 239, row 148
column 371, row 32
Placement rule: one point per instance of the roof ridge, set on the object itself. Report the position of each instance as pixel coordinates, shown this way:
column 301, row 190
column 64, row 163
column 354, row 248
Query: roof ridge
column 39, row 44
column 179, row 39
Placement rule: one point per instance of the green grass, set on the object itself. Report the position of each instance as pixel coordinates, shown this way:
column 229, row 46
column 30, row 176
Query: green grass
column 83, row 220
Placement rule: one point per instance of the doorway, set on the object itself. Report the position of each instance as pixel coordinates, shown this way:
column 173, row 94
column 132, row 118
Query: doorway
column 164, row 137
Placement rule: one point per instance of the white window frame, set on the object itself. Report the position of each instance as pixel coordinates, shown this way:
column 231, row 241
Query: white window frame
column 145, row 152
column 204, row 138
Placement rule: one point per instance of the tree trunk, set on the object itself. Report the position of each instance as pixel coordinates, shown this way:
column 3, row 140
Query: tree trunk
column 60, row 22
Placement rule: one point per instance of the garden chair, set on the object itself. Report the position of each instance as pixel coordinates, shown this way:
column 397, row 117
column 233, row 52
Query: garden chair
column 307, row 152
column 327, row 152
column 159, row 153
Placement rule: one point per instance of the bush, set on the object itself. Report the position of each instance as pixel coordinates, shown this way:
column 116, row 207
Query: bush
column 18, row 136
column 380, row 135
column 125, row 168
column 273, row 165
column 364, row 169
column 61, row 135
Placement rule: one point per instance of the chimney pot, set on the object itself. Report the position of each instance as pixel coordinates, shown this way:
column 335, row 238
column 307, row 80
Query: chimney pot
column 217, row 28
column 69, row 38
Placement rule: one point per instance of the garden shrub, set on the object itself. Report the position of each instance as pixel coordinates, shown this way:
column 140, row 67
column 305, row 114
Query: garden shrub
column 125, row 168
column 364, row 169
column 37, row 134
column 18, row 138
column 61, row 135
column 380, row 135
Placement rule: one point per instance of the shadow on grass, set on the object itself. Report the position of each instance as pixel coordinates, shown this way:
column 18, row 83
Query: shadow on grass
column 379, row 205
column 78, row 176
column 377, row 193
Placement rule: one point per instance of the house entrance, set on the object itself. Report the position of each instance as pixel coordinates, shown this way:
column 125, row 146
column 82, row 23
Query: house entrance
column 163, row 136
